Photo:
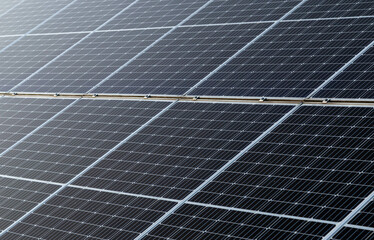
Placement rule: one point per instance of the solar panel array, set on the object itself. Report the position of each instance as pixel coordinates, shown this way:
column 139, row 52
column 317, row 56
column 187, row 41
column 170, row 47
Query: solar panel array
column 165, row 167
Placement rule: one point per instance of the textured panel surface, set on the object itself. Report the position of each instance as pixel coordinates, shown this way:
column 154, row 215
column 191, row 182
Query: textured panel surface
column 353, row 233
column 365, row 217
column 20, row 116
column 155, row 13
column 18, row 197
column 291, row 60
column 228, row 11
column 333, row 9
column 317, row 164
column 76, row 138
column 84, row 214
column 83, row 15
column 183, row 147
column 354, row 82
column 180, row 60
column 29, row 15
column 8, row 5
column 196, row 222
column 26, row 56
column 90, row 61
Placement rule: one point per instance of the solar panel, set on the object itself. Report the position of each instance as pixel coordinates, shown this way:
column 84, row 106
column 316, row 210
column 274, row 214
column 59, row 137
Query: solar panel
column 155, row 131
column 90, row 61
column 180, row 60
column 290, row 60
column 333, row 9
column 199, row 222
column 83, row 15
column 20, row 116
column 28, row 15
column 91, row 214
column 226, row 11
column 355, row 82
column 154, row 14
column 365, row 217
column 180, row 149
column 18, row 197
column 316, row 164
column 354, row 233
column 22, row 58
column 76, row 138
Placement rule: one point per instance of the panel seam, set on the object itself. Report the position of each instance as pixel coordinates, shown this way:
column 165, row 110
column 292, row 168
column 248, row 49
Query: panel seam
column 344, row 67
column 186, row 26
column 245, row 47
column 71, row 47
column 149, row 46
column 37, row 26
column 349, row 217
column 65, row 185
column 216, row 174
column 188, row 202
column 359, row 227
column 39, row 127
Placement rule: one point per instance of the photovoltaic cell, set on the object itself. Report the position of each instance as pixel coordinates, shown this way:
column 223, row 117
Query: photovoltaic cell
column 354, row 82
column 180, row 60
column 85, row 214
column 227, row 11
column 154, row 13
column 29, row 54
column 18, row 197
column 291, row 60
column 83, row 15
column 76, row 138
column 90, row 61
column 317, row 164
column 353, row 233
column 197, row 222
column 333, row 9
column 20, row 116
column 181, row 148
column 28, row 15
column 365, row 217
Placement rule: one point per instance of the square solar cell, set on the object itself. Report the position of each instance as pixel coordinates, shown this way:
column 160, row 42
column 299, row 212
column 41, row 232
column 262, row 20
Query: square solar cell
column 83, row 15
column 291, row 60
column 197, row 222
column 353, row 233
column 76, row 138
column 355, row 82
column 155, row 13
column 18, row 197
column 26, row 56
column 333, row 9
column 85, row 214
column 228, row 11
column 317, row 164
column 20, row 116
column 365, row 217
column 181, row 148
column 180, row 59
column 90, row 61
column 28, row 15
